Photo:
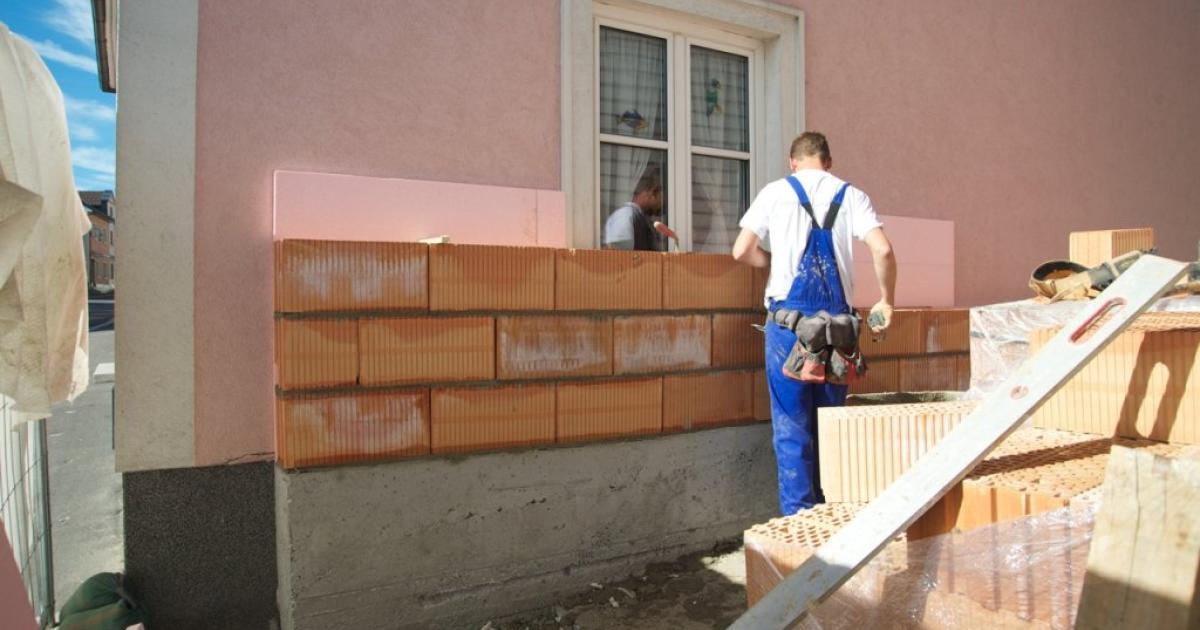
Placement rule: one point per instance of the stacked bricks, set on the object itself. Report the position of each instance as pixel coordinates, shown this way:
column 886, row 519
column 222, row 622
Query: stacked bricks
column 1033, row 472
column 1143, row 384
column 864, row 449
column 923, row 350
column 388, row 350
column 1092, row 248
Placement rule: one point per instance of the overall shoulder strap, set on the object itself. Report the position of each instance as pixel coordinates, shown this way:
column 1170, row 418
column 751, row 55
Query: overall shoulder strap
column 804, row 202
column 834, row 206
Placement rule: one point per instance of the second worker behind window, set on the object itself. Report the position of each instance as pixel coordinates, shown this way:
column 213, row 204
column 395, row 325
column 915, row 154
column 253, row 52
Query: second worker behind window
column 632, row 226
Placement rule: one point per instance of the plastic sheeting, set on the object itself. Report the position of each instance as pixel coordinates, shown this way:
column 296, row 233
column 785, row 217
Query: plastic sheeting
column 43, row 286
column 1000, row 334
column 1023, row 573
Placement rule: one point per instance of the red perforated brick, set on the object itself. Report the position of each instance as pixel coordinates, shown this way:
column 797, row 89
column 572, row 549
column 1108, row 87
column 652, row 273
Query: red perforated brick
column 654, row 343
column 929, row 373
column 947, row 330
column 904, row 337
column 697, row 401
column 478, row 419
column 426, row 350
column 758, row 291
column 601, row 280
column 350, row 276
column 698, row 281
column 311, row 353
column 608, row 409
column 1092, row 248
column 317, row 430
column 1145, row 383
column 548, row 346
column 762, row 396
column 883, row 376
column 484, row 277
column 735, row 341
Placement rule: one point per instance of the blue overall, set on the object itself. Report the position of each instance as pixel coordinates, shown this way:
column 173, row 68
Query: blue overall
column 817, row 287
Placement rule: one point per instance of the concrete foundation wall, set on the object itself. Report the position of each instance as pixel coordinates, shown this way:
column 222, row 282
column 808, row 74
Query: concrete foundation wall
column 453, row 542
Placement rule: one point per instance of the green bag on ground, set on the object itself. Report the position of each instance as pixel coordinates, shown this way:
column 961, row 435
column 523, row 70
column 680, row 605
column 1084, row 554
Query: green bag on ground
column 101, row 603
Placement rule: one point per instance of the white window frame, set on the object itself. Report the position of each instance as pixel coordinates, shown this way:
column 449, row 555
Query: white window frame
column 770, row 35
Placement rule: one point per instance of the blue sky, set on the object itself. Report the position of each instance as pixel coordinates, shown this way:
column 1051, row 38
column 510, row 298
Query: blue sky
column 61, row 32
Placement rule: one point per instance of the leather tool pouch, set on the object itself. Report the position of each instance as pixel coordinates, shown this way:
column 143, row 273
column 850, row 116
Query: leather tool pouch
column 826, row 348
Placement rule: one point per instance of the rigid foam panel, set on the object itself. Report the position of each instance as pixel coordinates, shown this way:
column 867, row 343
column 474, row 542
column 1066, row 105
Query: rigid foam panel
column 1092, row 248
column 655, row 343
column 735, row 341
column 537, row 346
column 350, row 276
column 703, row 281
column 609, row 409
column 1144, row 384
column 314, row 353
column 696, row 401
column 425, row 350
column 317, row 430
column 607, row 279
column 864, row 449
column 490, row 277
column 477, row 419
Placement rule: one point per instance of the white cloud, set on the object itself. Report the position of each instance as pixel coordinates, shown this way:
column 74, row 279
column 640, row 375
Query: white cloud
column 85, row 133
column 95, row 159
column 87, row 182
column 89, row 109
column 72, row 18
column 53, row 52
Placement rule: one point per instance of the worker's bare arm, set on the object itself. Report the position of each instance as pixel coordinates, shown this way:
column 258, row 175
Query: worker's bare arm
column 746, row 250
column 885, row 273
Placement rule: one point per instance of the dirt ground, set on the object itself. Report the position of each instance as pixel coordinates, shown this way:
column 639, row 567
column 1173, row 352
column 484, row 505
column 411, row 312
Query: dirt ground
column 696, row 592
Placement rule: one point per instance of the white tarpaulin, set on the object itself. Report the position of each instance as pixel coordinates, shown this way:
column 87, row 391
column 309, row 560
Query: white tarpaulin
column 43, row 286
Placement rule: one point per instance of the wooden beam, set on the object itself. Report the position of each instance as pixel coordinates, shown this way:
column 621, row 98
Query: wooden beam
column 1145, row 554
column 949, row 462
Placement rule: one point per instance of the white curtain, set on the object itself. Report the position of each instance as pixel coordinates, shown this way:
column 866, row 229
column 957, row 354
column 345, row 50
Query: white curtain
column 633, row 102
column 720, row 120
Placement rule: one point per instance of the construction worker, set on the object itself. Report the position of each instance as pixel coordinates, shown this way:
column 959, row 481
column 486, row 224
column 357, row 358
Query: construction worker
column 802, row 227
column 632, row 226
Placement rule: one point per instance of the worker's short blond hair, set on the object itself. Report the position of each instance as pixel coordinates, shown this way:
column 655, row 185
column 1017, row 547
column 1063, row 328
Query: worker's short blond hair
column 810, row 143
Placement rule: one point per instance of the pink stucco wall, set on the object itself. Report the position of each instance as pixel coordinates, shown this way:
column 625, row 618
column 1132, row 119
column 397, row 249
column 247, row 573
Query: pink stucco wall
column 446, row 90
column 1020, row 121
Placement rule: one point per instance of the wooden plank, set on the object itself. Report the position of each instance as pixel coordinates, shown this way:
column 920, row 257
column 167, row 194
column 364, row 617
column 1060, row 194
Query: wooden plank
column 949, row 462
column 1142, row 567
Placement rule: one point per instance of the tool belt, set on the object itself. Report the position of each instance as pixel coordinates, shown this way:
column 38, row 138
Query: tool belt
column 826, row 348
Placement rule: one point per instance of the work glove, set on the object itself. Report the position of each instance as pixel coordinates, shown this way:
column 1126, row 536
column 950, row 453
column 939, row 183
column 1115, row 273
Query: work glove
column 880, row 317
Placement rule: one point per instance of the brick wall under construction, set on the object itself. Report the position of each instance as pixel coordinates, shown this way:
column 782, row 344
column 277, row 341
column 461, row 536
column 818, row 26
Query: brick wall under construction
column 389, row 350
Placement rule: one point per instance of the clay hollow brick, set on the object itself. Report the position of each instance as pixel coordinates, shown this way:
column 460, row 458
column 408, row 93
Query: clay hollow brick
column 478, row 419
column 655, row 343
column 696, row 401
column 609, row 409
column 735, row 341
column 490, row 277
column 553, row 346
column 315, row 353
column 313, row 276
column 1092, row 248
column 426, row 350
column 704, row 281
column 600, row 280
column 319, row 430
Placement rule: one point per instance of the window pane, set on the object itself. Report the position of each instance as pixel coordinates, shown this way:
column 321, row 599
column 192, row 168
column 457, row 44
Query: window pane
column 624, row 171
column 633, row 84
column 720, row 100
column 720, row 194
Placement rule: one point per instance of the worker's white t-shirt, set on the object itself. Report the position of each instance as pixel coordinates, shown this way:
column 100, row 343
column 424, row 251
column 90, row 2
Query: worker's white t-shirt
column 782, row 226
